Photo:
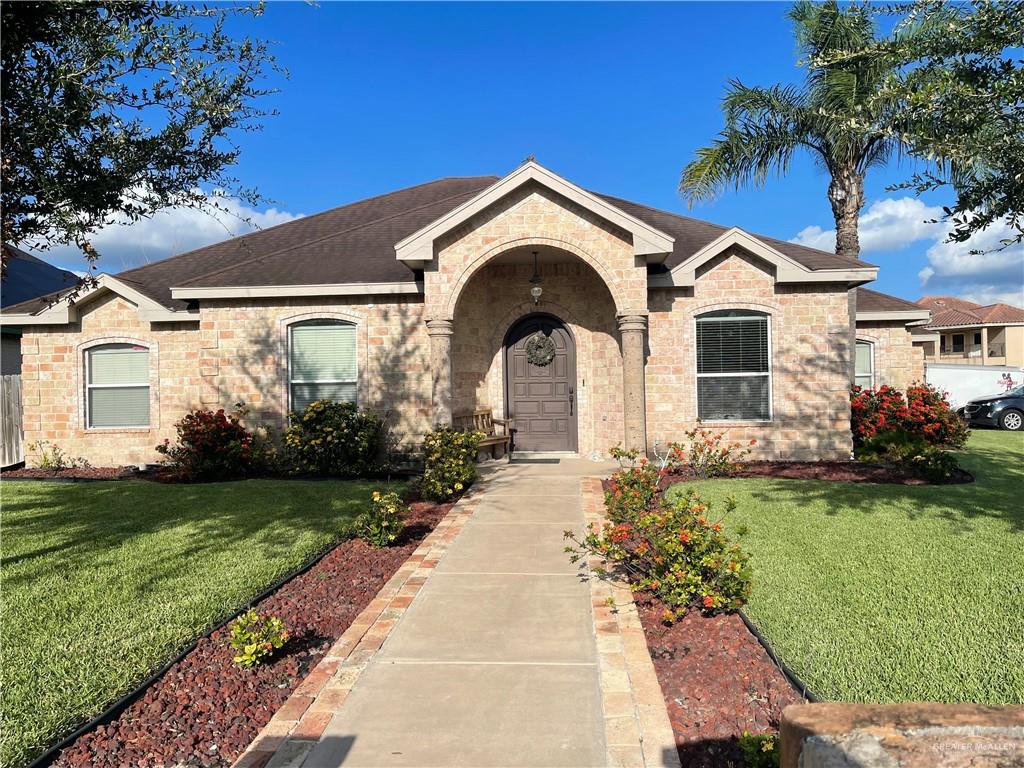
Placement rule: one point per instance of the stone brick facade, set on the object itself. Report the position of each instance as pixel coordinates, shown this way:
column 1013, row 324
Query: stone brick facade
column 810, row 360
column 897, row 361
column 236, row 352
column 476, row 288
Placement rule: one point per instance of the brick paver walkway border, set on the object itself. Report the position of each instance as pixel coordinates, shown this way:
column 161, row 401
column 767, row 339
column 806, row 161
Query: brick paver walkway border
column 638, row 732
column 300, row 721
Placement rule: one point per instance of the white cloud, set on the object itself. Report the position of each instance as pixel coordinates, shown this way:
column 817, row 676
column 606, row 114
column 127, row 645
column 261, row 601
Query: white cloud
column 887, row 225
column 892, row 224
column 122, row 245
column 994, row 276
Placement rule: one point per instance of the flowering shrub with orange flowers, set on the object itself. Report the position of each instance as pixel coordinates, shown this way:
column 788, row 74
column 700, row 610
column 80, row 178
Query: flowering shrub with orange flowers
column 924, row 413
column 707, row 454
column 672, row 547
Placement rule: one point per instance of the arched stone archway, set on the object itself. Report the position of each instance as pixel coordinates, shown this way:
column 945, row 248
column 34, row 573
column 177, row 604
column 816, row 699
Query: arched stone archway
column 468, row 352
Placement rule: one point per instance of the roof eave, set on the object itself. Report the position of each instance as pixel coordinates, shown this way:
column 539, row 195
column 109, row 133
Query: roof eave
column 281, row 291
column 903, row 316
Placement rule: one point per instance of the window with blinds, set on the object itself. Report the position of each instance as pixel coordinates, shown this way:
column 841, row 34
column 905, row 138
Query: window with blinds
column 322, row 362
column 117, row 386
column 864, row 373
column 733, row 366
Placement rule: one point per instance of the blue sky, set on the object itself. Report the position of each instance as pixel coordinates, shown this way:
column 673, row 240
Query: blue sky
column 616, row 97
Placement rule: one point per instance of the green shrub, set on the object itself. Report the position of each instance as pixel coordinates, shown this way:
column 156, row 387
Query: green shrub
column 384, row 522
column 255, row 638
column 335, row 440
column 213, row 445
column 760, row 750
column 910, row 451
column 707, row 454
column 53, row 458
column 633, row 488
column 449, row 462
column 667, row 547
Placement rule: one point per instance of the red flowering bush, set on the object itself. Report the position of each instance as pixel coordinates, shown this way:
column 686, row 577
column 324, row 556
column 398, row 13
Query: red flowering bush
column 924, row 412
column 670, row 547
column 213, row 445
column 707, row 454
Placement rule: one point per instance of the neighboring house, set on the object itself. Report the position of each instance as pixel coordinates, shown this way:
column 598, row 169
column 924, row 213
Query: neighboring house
column 423, row 302
column 966, row 333
column 25, row 277
column 885, row 352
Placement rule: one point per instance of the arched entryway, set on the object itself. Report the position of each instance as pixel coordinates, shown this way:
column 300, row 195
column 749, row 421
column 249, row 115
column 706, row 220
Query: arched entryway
column 540, row 397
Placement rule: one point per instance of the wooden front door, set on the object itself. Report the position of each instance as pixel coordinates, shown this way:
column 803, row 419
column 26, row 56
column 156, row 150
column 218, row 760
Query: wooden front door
column 541, row 399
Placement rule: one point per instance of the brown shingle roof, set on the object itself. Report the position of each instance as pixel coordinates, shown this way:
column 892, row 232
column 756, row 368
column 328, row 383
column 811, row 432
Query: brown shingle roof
column 355, row 243
column 875, row 301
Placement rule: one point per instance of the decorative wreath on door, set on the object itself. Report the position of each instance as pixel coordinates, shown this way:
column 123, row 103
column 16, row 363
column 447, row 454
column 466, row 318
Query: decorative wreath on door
column 540, row 350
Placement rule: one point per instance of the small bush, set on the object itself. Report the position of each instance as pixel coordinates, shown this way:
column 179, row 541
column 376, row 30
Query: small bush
column 924, row 412
column 668, row 547
column 633, row 488
column 255, row 638
column 910, row 451
column 760, row 750
column 707, row 454
column 213, row 445
column 335, row 440
column 449, row 462
column 53, row 458
column 384, row 522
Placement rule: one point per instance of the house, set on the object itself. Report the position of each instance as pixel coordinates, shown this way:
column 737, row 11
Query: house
column 885, row 352
column 588, row 319
column 25, row 277
column 965, row 333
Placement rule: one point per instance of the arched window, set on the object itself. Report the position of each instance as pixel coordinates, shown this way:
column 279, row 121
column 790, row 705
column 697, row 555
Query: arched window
column 321, row 362
column 733, row 366
column 117, row 386
column 864, row 372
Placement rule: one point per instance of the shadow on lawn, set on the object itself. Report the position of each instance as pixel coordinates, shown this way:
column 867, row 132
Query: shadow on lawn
column 90, row 522
column 995, row 494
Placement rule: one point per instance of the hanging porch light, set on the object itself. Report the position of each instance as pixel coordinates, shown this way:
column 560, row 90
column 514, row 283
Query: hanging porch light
column 535, row 281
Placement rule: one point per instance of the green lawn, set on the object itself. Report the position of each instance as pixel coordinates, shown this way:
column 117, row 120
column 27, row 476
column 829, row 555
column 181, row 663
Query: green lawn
column 104, row 582
column 888, row 593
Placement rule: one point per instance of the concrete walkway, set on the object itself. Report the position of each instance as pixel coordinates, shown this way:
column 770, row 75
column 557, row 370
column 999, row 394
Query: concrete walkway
column 495, row 661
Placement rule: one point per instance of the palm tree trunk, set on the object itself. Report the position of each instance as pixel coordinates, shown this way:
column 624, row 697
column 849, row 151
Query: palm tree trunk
column 846, row 194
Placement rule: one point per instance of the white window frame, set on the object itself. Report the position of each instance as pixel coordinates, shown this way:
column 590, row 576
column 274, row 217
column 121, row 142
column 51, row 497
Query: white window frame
column 698, row 375
column 856, row 375
column 87, row 367
column 321, row 321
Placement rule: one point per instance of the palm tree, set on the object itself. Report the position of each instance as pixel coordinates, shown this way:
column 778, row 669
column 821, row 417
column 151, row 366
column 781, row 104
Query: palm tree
column 834, row 115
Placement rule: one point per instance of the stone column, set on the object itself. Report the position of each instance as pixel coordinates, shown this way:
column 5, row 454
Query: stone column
column 440, row 332
column 984, row 345
column 633, row 328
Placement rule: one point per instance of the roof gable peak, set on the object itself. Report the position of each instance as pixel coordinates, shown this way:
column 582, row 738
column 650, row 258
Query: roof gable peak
column 417, row 249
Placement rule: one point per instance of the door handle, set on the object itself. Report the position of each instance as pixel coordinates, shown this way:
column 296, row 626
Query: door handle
column 570, row 401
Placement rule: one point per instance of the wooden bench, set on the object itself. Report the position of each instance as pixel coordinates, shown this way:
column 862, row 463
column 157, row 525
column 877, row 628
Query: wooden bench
column 483, row 421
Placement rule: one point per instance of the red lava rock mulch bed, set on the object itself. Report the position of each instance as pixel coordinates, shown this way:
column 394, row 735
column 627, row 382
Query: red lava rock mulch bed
column 718, row 681
column 845, row 471
column 205, row 711
column 78, row 473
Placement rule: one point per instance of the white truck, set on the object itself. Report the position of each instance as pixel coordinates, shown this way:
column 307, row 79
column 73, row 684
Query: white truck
column 966, row 382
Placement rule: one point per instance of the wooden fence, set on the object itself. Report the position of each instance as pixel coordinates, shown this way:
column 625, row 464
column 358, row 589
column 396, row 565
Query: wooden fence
column 10, row 421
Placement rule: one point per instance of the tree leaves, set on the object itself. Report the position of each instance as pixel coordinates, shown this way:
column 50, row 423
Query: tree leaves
column 121, row 108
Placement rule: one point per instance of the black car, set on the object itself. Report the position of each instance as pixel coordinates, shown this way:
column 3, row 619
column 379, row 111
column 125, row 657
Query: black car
column 1005, row 410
